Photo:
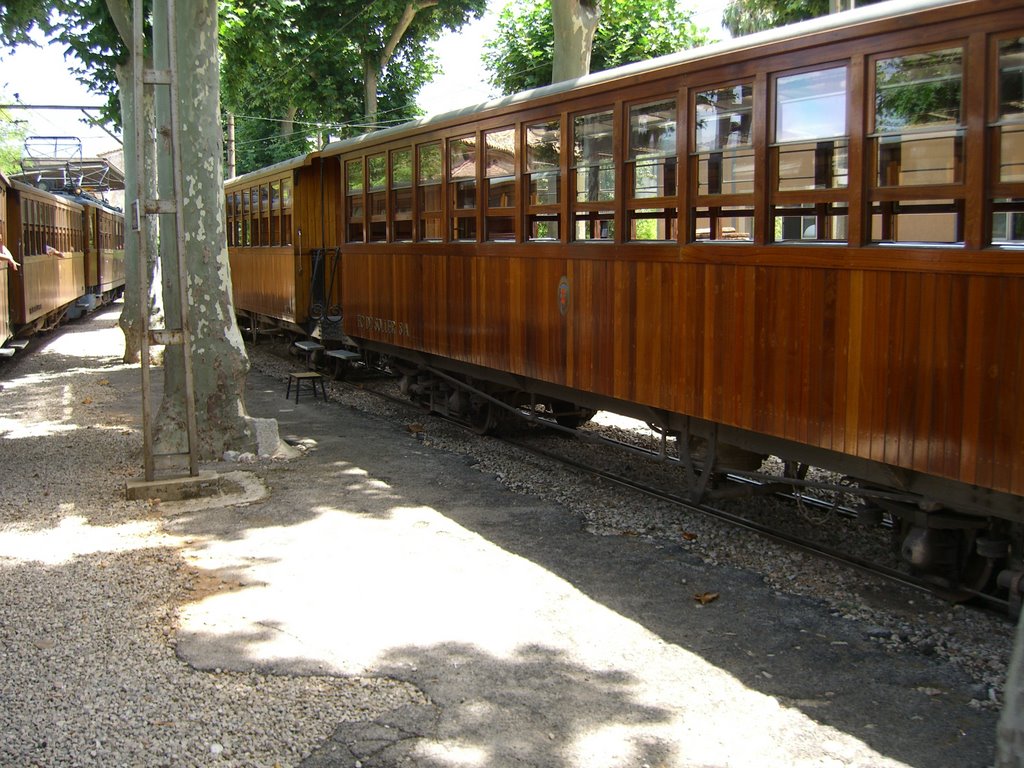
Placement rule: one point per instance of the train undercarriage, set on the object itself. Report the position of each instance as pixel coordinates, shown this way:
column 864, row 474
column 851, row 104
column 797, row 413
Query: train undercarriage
column 964, row 540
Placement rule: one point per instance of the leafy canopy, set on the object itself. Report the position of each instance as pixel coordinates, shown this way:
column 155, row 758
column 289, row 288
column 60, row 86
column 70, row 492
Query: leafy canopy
column 293, row 72
column 520, row 55
column 744, row 17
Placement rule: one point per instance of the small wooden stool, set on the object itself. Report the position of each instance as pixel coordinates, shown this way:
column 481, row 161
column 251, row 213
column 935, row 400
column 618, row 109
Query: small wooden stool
column 312, row 377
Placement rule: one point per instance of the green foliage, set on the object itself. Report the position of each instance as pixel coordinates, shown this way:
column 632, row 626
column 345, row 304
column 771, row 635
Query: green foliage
column 306, row 61
column 744, row 17
column 520, row 55
column 12, row 139
column 19, row 17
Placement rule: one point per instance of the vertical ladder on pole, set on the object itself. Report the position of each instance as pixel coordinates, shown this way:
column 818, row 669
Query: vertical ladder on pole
column 150, row 80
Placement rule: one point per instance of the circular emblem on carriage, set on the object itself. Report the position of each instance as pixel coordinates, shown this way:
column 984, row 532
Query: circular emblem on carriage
column 563, row 295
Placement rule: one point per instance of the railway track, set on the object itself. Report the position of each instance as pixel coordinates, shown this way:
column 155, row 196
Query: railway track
column 788, row 490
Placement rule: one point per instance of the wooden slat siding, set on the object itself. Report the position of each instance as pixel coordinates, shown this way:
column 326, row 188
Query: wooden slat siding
column 977, row 412
column 436, row 321
column 874, row 364
column 695, row 277
column 489, row 337
column 113, row 270
column 894, row 396
column 878, row 364
column 1007, row 377
column 935, row 433
column 924, row 360
column 747, row 330
column 954, row 380
column 263, row 281
column 49, row 282
column 626, row 361
column 1013, row 387
column 583, row 340
column 518, row 350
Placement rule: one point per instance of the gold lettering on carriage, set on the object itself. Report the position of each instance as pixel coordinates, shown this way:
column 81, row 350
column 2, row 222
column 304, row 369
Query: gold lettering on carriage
column 382, row 325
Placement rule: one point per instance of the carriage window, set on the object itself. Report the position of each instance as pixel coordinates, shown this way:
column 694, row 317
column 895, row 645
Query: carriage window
column 275, row 213
column 594, row 177
column 401, row 195
column 237, row 218
column 286, row 211
column 229, row 218
column 810, row 130
column 652, row 171
column 429, row 191
column 543, row 172
column 250, row 237
column 355, row 213
column 377, row 199
column 499, row 174
column 462, row 157
column 1008, row 212
column 917, row 118
column 919, row 141
column 811, row 153
column 724, row 163
column 264, row 214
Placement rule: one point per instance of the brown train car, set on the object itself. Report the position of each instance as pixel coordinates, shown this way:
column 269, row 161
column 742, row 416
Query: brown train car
column 103, row 244
column 6, row 331
column 49, row 249
column 805, row 243
column 283, row 243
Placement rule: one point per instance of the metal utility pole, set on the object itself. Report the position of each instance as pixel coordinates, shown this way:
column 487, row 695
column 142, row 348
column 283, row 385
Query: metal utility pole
column 160, row 82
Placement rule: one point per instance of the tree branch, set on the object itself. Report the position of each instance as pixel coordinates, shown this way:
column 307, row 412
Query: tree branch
column 411, row 9
column 120, row 12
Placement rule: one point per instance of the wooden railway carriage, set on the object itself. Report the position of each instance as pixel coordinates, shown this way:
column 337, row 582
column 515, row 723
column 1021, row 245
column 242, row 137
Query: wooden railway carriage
column 807, row 243
column 49, row 248
column 70, row 251
column 283, row 244
column 804, row 243
column 103, row 243
column 6, row 332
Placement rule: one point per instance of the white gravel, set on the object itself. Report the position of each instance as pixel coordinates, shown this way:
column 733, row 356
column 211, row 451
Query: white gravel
column 92, row 587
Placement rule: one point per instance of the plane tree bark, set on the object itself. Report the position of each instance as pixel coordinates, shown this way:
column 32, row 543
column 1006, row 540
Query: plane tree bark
column 575, row 24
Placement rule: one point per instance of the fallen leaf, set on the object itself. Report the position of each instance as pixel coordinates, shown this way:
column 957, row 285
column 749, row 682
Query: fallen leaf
column 706, row 597
column 103, row 382
column 687, row 536
column 415, row 427
column 87, row 401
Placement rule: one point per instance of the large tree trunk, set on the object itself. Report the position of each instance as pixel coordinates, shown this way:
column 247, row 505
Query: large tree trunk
column 1010, row 732
column 575, row 23
column 371, row 78
column 219, row 362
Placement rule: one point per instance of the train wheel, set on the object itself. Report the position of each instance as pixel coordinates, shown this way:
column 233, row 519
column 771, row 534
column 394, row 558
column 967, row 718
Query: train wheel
column 949, row 558
column 483, row 415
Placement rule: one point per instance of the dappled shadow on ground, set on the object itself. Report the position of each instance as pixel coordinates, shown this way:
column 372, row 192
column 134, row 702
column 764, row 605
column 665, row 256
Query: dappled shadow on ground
column 536, row 707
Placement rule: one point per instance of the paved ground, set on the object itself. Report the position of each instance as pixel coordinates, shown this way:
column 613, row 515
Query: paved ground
column 533, row 642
